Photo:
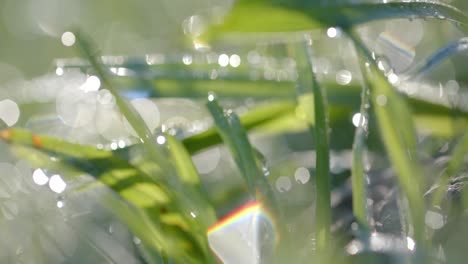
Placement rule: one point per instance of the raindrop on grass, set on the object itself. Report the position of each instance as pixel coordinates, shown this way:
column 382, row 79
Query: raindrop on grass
column 9, row 112
column 283, row 184
column 302, row 175
column 39, row 177
column 57, row 184
column 211, row 96
column 381, row 100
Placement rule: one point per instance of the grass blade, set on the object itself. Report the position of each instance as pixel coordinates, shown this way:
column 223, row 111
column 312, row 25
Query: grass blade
column 191, row 180
column 399, row 140
column 156, row 205
column 358, row 177
column 309, row 87
column 270, row 15
column 258, row 116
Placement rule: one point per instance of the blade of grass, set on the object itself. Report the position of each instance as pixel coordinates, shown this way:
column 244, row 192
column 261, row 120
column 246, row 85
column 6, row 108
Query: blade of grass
column 166, row 229
column 235, row 137
column 254, row 118
column 358, row 176
column 189, row 176
column 132, row 116
column 270, row 15
column 399, row 138
column 308, row 86
column 456, row 162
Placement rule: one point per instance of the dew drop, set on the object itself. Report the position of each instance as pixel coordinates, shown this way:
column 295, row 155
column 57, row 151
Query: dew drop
column 381, row 100
column 161, row 140
column 302, row 175
column 57, row 184
column 283, row 184
column 68, row 39
column 39, row 177
column 211, row 96
column 136, row 240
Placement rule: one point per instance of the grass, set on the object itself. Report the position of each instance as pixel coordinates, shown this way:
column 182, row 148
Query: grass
column 162, row 198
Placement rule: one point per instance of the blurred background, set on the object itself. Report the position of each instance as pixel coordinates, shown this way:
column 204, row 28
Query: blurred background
column 30, row 30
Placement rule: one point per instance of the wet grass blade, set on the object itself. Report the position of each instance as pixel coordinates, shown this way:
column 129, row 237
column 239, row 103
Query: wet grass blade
column 258, row 116
column 309, row 88
column 456, row 162
column 188, row 174
column 159, row 211
column 438, row 57
column 358, row 176
column 132, row 116
column 270, row 15
column 399, row 138
column 235, row 137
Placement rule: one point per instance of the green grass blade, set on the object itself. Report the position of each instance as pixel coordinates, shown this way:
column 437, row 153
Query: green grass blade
column 358, row 176
column 134, row 119
column 256, row 117
column 235, row 137
column 309, row 87
column 298, row 15
column 158, row 207
column 188, row 174
column 399, row 138
column 456, row 162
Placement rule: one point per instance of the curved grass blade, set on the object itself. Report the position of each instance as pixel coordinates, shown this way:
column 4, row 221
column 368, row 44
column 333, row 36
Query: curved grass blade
column 298, row 15
column 399, row 140
column 438, row 57
column 158, row 209
column 135, row 120
column 308, row 87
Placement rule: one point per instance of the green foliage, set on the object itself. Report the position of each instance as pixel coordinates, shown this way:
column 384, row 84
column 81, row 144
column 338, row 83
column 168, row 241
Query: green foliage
column 160, row 194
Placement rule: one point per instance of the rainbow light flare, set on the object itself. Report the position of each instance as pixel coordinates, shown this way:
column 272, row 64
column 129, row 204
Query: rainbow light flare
column 236, row 238
column 404, row 48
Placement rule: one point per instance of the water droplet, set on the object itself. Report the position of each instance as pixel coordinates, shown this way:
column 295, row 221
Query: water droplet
column 193, row 215
column 60, row 203
column 114, row 145
column 136, row 240
column 265, row 171
column 234, row 60
column 283, row 184
column 122, row 143
column 384, row 65
column 92, row 84
column 410, row 243
column 302, row 175
column 68, row 39
column 9, row 112
column 105, row 97
column 59, row 71
column 434, row 220
column 343, row 77
column 359, row 120
column 187, row 59
column 381, row 100
column 211, row 96
column 161, row 140
column 393, row 78
column 56, row 184
column 223, row 60
column 111, row 229
column 333, row 32
column 39, row 177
